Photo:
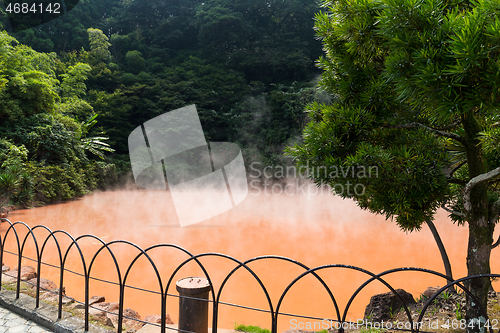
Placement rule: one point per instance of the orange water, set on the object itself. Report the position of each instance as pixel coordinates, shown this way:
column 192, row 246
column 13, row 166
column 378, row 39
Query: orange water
column 318, row 230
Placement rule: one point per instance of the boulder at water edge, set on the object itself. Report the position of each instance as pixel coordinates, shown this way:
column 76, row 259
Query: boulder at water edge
column 93, row 301
column 430, row 291
column 96, row 299
column 155, row 319
column 27, row 273
column 97, row 309
column 112, row 320
column 44, row 284
column 382, row 306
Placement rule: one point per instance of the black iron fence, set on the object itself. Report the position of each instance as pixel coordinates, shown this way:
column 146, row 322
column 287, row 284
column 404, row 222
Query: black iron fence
column 340, row 318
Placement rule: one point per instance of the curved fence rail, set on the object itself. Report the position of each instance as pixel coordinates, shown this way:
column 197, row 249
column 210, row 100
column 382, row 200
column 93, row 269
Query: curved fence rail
column 339, row 317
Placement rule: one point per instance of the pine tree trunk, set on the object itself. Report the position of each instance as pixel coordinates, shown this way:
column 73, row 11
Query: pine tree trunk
column 480, row 230
column 478, row 262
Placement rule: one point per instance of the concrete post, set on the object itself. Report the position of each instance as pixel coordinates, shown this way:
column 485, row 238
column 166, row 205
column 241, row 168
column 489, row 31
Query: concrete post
column 193, row 311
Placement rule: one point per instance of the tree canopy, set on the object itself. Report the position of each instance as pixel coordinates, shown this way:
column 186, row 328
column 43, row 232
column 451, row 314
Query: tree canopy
column 42, row 138
column 130, row 61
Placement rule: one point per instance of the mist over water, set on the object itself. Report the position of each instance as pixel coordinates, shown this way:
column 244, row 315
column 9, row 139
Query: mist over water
column 314, row 230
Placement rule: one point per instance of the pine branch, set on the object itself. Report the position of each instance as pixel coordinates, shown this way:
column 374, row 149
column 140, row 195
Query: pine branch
column 433, row 130
column 455, row 169
column 473, row 182
column 450, row 126
column 456, row 181
column 451, row 211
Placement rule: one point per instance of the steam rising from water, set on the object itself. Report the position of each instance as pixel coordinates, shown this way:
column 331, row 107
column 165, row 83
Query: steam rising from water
column 318, row 230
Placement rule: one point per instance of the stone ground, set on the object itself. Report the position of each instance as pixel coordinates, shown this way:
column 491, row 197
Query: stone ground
column 11, row 322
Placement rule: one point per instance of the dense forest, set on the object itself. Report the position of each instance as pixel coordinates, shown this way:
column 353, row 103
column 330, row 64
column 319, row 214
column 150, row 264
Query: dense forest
column 72, row 89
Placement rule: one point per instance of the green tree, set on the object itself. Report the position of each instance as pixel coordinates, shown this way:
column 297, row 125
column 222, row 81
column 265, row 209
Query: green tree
column 72, row 84
column 40, row 103
column 135, row 61
column 220, row 28
column 28, row 84
column 99, row 44
column 16, row 185
column 94, row 144
column 9, row 186
column 271, row 41
column 418, row 93
column 69, row 31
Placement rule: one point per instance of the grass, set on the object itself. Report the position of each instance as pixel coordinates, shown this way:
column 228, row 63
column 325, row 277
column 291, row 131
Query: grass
column 458, row 314
column 445, row 295
column 250, row 329
column 369, row 316
column 434, row 311
column 257, row 329
column 420, row 298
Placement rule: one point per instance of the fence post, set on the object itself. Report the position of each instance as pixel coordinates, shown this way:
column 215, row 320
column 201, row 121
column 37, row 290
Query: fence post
column 193, row 310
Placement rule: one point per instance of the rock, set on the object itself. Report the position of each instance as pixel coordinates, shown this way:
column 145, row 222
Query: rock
column 97, row 309
column 27, row 273
column 382, row 305
column 53, row 298
column 430, row 291
column 113, row 307
column 101, row 318
column 8, row 277
column 112, row 319
column 131, row 314
column 51, row 294
column 4, row 211
column 132, row 324
column 93, row 301
column 44, row 296
column 100, row 308
column 155, row 319
column 79, row 306
column 150, row 328
column 96, row 299
column 44, row 284
column 66, row 300
column 63, row 291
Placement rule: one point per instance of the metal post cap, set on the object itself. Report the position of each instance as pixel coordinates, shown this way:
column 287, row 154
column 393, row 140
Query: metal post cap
column 191, row 286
